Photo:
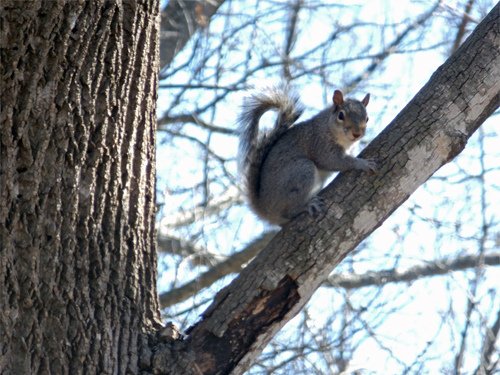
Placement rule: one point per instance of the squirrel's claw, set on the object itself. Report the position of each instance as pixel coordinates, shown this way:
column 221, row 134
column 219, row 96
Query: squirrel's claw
column 368, row 164
column 372, row 164
column 316, row 206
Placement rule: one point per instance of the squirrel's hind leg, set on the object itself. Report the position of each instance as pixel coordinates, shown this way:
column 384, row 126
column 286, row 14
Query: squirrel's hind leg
column 301, row 188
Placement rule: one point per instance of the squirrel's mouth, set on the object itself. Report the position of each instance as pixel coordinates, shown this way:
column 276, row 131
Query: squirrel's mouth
column 355, row 136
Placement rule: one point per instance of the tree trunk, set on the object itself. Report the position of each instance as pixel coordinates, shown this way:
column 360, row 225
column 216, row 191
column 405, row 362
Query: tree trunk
column 430, row 131
column 77, row 196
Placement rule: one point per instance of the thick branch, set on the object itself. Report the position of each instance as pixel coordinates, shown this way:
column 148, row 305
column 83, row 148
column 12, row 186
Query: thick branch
column 430, row 131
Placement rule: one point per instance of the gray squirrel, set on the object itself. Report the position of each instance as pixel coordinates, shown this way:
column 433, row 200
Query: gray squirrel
column 285, row 168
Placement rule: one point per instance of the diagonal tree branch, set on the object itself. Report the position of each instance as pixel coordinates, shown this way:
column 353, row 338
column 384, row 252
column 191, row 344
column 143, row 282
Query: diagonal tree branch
column 486, row 366
column 232, row 264
column 463, row 24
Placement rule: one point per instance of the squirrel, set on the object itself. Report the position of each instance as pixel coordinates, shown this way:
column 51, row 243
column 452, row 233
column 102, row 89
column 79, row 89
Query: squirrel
column 285, row 168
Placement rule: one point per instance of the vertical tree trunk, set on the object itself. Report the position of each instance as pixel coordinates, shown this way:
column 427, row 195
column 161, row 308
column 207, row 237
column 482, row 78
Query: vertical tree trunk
column 77, row 260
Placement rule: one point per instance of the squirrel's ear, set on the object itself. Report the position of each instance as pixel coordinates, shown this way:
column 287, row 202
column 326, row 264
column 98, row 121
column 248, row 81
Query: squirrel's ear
column 338, row 97
column 366, row 99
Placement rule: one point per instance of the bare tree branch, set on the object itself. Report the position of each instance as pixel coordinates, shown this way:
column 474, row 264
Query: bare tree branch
column 463, row 24
column 350, row 281
column 180, row 20
column 391, row 47
column 231, row 265
column 194, row 119
column 486, row 366
column 439, row 267
column 230, row 198
column 290, row 38
column 194, row 254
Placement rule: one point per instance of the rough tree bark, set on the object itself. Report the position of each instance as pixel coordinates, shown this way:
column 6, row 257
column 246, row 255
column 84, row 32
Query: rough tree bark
column 77, row 199
column 429, row 132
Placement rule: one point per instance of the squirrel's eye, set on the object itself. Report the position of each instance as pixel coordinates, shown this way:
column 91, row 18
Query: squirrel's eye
column 341, row 116
column 367, row 119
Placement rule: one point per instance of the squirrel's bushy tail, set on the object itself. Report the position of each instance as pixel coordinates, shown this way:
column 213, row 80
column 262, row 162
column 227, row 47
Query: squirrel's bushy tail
column 253, row 146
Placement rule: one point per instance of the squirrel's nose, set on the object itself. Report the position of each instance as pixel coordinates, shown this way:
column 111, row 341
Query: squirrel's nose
column 356, row 135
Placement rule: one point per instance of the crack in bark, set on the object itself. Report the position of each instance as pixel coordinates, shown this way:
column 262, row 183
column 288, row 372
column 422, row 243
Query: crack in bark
column 223, row 353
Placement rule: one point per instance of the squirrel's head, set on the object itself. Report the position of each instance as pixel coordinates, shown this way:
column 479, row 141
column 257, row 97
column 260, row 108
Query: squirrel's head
column 350, row 117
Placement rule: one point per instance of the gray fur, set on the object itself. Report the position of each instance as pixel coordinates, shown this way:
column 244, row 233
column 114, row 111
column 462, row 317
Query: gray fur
column 285, row 168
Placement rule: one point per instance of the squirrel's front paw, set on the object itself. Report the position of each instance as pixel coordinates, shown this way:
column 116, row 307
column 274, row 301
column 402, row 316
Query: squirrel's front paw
column 316, row 206
column 368, row 164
